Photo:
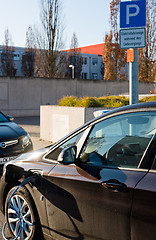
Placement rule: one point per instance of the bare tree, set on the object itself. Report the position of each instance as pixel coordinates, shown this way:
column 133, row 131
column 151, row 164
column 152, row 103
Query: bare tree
column 49, row 61
column 74, row 58
column 28, row 59
column 7, row 57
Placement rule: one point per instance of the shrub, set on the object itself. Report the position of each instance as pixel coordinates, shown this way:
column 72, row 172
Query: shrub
column 105, row 101
column 148, row 99
column 69, row 101
column 88, row 102
column 113, row 101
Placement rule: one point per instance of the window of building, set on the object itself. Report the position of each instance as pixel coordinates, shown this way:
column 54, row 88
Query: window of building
column 16, row 56
column 84, row 60
column 94, row 75
column 95, row 61
column 84, row 75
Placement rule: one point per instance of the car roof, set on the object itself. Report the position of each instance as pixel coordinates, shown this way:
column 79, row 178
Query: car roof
column 142, row 106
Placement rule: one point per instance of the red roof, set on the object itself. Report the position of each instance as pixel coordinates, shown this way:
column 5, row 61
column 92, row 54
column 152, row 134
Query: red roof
column 92, row 49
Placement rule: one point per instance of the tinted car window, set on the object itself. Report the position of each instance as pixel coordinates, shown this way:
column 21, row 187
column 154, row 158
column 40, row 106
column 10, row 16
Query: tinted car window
column 3, row 118
column 119, row 141
column 72, row 141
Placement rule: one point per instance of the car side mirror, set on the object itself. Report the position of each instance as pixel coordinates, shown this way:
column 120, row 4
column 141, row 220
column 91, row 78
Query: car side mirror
column 10, row 118
column 67, row 155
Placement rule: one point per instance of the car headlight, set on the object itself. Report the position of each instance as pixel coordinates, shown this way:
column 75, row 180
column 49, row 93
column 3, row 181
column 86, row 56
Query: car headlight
column 25, row 140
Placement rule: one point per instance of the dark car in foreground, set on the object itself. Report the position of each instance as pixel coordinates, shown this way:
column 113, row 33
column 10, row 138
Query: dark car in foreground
column 13, row 140
column 99, row 182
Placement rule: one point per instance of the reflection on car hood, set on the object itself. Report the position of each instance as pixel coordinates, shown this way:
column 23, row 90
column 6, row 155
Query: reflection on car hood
column 33, row 160
column 31, row 156
column 10, row 131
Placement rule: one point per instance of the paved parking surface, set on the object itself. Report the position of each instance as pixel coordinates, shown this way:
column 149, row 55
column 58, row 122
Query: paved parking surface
column 32, row 126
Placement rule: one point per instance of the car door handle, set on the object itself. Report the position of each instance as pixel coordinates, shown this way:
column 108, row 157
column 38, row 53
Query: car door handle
column 114, row 185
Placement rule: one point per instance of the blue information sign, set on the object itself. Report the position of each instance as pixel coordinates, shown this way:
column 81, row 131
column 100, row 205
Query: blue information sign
column 133, row 14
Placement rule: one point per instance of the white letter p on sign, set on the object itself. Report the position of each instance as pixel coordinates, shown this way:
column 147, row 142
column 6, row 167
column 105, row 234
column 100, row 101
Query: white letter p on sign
column 128, row 14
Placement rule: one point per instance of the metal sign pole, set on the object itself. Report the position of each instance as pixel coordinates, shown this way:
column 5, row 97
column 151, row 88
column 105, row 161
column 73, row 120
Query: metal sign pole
column 133, row 89
column 133, row 79
column 130, row 83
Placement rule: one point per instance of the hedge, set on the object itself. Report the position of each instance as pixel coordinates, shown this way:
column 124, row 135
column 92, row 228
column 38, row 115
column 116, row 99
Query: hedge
column 104, row 101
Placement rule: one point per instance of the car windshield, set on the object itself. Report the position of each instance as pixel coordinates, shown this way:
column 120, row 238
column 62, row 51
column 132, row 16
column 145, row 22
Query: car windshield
column 3, row 118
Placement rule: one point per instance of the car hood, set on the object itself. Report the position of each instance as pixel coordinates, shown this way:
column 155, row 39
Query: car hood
column 33, row 161
column 10, row 130
column 32, row 156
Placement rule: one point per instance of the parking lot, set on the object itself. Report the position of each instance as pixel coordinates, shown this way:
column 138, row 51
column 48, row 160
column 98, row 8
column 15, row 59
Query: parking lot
column 32, row 126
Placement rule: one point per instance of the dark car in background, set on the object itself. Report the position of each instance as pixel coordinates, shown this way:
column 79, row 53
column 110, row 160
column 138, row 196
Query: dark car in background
column 14, row 140
column 99, row 182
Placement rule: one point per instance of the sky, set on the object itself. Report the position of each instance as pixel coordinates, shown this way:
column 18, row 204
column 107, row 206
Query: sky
column 89, row 19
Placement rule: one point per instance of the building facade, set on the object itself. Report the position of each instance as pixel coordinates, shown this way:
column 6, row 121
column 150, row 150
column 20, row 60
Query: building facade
column 92, row 63
column 91, row 66
column 18, row 53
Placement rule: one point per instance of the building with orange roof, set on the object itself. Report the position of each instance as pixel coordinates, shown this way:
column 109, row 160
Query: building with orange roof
column 96, row 49
column 93, row 49
column 92, row 62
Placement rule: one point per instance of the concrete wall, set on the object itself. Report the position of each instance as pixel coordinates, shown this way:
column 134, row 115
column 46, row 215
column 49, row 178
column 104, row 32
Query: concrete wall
column 56, row 122
column 23, row 96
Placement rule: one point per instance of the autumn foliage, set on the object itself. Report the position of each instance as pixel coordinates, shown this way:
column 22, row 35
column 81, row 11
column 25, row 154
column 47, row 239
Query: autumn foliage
column 147, row 55
column 114, row 59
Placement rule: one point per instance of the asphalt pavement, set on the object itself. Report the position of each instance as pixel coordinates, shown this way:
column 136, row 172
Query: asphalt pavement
column 32, row 126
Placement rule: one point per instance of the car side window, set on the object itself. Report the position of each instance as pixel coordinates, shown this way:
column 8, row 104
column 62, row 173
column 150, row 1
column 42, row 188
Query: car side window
column 119, row 141
column 72, row 141
column 3, row 118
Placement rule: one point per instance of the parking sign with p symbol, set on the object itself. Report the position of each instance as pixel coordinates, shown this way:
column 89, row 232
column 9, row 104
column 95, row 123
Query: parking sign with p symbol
column 133, row 14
